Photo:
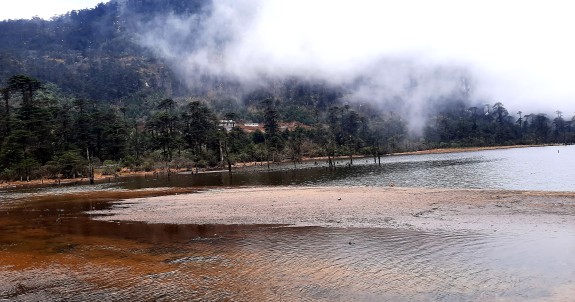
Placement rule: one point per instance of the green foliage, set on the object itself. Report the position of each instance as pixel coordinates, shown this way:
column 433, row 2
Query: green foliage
column 95, row 44
column 68, row 165
column 47, row 133
column 200, row 126
column 131, row 162
column 110, row 167
column 458, row 126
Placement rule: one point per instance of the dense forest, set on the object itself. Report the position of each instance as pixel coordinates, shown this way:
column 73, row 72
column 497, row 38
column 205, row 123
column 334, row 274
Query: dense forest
column 46, row 133
column 77, row 92
column 86, row 50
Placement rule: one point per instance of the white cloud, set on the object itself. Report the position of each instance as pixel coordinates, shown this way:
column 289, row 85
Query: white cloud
column 522, row 50
column 515, row 52
column 519, row 52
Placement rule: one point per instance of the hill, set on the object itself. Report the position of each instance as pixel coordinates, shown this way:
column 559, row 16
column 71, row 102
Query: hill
column 92, row 53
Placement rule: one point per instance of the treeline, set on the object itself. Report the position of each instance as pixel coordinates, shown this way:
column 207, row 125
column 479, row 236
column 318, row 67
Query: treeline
column 460, row 125
column 48, row 134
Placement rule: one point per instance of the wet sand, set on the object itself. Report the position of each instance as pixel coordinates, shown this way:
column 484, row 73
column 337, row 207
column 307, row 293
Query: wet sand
column 526, row 230
column 363, row 207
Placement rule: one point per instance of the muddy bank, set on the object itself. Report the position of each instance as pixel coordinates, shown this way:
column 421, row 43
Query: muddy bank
column 370, row 207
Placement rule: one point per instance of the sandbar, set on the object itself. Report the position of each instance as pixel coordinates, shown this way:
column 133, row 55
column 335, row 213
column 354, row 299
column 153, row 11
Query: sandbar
column 369, row 207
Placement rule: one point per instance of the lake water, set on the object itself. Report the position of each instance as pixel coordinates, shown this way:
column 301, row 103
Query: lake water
column 51, row 249
column 535, row 168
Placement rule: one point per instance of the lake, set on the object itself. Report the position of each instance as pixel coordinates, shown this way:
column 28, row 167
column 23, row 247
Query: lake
column 535, row 168
column 52, row 250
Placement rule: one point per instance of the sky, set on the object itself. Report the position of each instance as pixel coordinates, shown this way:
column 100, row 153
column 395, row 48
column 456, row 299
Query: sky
column 26, row 9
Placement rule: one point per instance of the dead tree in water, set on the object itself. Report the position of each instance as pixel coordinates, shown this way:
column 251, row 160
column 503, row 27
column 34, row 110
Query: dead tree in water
column 90, row 167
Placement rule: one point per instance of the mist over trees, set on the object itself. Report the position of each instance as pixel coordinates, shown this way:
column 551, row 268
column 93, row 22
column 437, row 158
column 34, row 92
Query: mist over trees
column 77, row 91
column 49, row 134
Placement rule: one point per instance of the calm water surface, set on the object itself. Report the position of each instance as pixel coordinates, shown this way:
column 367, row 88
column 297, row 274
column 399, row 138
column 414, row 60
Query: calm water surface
column 51, row 249
column 534, row 168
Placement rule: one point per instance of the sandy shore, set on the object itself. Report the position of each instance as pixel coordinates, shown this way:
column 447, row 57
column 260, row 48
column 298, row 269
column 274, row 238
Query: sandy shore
column 415, row 208
column 465, row 149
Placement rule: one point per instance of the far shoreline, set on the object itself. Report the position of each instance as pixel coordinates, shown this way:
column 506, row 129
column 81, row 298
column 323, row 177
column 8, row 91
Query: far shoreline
column 467, row 149
column 240, row 166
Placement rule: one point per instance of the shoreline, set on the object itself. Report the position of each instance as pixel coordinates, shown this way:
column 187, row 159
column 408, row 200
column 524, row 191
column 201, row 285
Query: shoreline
column 41, row 183
column 466, row 149
column 38, row 183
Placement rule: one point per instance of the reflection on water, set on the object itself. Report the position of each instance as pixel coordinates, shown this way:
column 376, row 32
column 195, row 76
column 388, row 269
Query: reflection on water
column 536, row 168
column 376, row 264
column 54, row 251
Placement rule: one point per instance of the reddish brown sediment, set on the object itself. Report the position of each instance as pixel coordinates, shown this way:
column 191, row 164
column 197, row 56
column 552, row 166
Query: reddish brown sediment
column 52, row 250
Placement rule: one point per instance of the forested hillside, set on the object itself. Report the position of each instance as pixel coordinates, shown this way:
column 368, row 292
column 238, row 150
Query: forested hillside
column 77, row 91
column 92, row 52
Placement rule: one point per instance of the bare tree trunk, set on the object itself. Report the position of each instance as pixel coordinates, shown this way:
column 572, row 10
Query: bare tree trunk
column 222, row 152
column 90, row 167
